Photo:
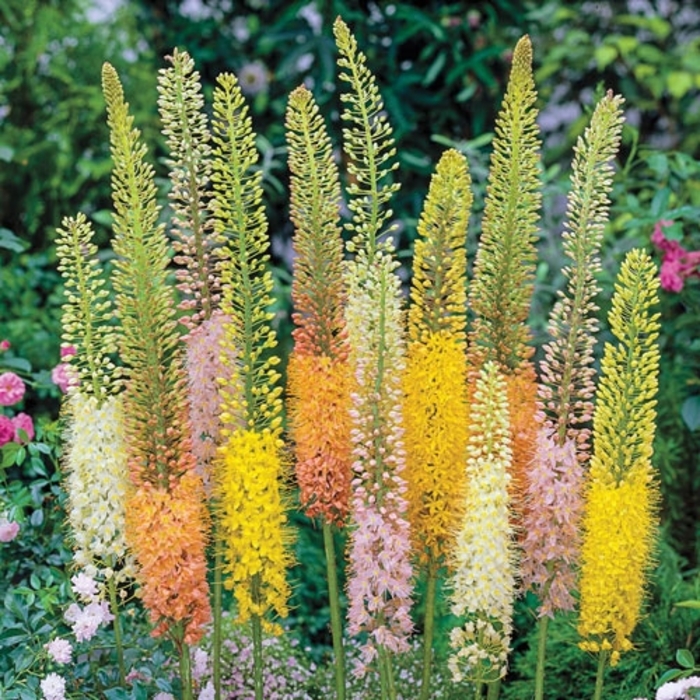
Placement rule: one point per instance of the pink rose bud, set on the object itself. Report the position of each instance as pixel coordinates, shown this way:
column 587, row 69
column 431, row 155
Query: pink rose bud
column 4, row 345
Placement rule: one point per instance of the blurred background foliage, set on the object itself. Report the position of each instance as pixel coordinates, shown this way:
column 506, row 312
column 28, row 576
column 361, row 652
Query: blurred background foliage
column 442, row 68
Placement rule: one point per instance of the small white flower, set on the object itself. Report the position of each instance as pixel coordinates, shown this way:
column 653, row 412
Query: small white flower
column 207, row 692
column 53, row 687
column 163, row 696
column 253, row 78
column 59, row 650
column 84, row 586
column 199, row 663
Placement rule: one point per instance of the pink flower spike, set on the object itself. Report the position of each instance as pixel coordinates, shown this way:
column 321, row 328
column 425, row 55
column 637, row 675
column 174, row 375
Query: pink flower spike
column 24, row 428
column 59, row 650
column 7, row 430
column 11, row 389
column 8, row 530
column 4, row 345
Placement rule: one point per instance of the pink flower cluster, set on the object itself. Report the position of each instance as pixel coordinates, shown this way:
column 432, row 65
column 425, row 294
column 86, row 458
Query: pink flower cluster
column 678, row 263
column 19, row 429
column 551, row 524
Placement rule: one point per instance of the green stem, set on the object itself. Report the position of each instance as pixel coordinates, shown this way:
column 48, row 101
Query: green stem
column 430, row 595
column 336, row 620
column 257, row 643
column 541, row 653
column 386, row 674
column 118, row 640
column 494, row 690
column 478, row 686
column 217, row 615
column 600, row 675
column 185, row 672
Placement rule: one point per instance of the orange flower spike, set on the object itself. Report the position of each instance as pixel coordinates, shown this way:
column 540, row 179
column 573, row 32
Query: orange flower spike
column 319, row 411
column 173, row 566
column 319, row 375
column 522, row 388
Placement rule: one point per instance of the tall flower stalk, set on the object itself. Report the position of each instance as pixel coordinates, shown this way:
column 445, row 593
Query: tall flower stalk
column 198, row 251
column 620, row 513
column 482, row 584
column 319, row 373
column 166, row 522
column 249, row 477
column 96, row 457
column 435, row 381
column 379, row 580
column 504, row 269
column 555, row 477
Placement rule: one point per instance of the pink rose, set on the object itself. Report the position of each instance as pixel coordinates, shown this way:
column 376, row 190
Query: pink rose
column 7, row 430
column 8, row 530
column 23, row 422
column 11, row 389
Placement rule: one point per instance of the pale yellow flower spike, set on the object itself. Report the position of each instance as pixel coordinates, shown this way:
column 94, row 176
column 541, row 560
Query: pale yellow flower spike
column 621, row 503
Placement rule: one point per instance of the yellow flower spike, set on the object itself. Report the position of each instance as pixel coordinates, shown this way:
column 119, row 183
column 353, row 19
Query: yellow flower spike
column 249, row 483
column 251, row 512
column 435, row 407
column 620, row 514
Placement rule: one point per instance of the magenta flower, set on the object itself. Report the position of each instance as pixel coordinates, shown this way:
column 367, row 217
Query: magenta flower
column 8, row 530
column 23, row 422
column 7, row 430
column 678, row 263
column 67, row 351
column 11, row 389
column 4, row 345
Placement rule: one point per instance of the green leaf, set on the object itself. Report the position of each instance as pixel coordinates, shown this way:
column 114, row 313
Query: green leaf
column 679, row 83
column 12, row 636
column 691, row 413
column 605, row 55
column 9, row 241
column 660, row 202
column 692, row 604
column 670, row 675
column 685, row 658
